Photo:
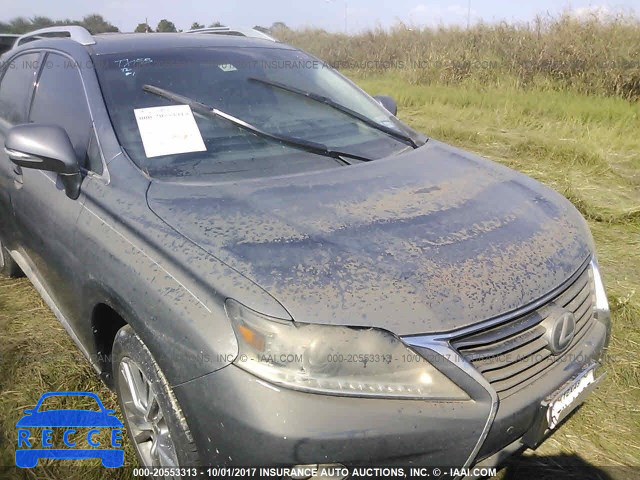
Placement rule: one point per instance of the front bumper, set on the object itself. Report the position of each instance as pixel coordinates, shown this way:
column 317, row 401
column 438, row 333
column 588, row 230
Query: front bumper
column 517, row 415
column 238, row 419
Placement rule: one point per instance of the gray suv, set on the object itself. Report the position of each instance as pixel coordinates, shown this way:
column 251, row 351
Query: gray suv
column 271, row 269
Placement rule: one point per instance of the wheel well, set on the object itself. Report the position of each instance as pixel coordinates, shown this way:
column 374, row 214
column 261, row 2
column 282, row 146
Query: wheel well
column 106, row 323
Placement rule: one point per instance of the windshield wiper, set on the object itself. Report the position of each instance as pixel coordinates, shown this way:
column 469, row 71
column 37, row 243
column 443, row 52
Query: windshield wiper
column 341, row 108
column 294, row 142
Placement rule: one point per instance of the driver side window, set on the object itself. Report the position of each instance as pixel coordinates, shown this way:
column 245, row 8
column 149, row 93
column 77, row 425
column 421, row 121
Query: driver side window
column 60, row 100
column 16, row 87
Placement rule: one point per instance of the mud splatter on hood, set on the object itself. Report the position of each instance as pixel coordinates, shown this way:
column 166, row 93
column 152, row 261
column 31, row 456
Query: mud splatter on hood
column 431, row 240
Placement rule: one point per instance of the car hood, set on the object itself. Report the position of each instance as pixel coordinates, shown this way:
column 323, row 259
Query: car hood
column 431, row 240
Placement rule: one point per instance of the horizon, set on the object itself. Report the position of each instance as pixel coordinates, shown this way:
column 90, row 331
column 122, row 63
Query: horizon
column 352, row 16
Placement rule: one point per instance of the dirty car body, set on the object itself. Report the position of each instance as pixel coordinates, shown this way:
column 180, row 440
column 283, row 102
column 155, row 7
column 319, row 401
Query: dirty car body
column 400, row 301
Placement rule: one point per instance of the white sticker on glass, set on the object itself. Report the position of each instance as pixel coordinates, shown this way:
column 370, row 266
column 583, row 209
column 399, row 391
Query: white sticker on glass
column 227, row 67
column 168, row 130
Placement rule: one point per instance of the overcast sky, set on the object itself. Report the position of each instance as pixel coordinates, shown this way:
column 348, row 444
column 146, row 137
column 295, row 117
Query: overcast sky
column 328, row 14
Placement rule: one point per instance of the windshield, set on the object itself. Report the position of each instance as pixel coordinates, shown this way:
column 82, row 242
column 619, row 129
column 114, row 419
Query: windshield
column 226, row 79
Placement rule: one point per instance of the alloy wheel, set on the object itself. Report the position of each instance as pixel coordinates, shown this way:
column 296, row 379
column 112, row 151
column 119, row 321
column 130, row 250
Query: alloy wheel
column 147, row 423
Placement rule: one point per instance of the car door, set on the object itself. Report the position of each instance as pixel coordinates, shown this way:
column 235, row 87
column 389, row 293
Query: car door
column 17, row 80
column 45, row 217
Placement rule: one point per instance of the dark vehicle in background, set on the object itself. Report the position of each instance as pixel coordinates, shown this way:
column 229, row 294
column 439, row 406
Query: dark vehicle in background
column 7, row 41
column 10, row 40
column 271, row 269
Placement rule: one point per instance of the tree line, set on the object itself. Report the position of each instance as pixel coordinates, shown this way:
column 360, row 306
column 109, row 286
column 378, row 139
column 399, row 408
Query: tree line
column 165, row 25
column 96, row 23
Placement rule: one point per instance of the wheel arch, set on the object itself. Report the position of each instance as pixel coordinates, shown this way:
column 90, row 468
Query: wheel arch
column 108, row 313
column 105, row 323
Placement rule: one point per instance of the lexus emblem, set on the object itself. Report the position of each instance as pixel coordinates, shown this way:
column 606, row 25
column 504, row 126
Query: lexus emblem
column 560, row 330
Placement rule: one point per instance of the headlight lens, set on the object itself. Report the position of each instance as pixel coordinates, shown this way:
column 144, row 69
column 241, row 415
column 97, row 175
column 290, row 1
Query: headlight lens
column 601, row 302
column 334, row 359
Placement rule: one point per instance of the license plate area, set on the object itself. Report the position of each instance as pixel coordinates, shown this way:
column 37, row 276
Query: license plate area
column 557, row 406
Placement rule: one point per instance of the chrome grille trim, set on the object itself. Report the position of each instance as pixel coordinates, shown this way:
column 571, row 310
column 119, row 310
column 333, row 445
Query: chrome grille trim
column 443, row 348
column 512, row 355
column 440, row 343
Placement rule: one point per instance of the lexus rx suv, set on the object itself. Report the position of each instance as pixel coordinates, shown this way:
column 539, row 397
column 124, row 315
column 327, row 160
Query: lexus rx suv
column 270, row 268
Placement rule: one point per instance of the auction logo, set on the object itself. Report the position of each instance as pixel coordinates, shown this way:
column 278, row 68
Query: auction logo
column 97, row 419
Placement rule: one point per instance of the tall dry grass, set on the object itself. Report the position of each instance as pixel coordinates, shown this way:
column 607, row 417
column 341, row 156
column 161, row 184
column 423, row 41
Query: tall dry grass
column 592, row 55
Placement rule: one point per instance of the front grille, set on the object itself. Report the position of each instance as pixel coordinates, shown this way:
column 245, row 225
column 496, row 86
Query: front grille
column 513, row 354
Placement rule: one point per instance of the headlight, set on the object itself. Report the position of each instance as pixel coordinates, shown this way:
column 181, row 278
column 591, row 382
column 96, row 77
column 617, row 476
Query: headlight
column 334, row 359
column 601, row 303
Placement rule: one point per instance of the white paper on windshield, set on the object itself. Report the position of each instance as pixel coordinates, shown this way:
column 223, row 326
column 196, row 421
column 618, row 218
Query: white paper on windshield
column 168, row 130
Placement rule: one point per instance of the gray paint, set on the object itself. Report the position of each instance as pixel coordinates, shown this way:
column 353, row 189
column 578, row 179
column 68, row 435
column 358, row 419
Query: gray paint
column 430, row 240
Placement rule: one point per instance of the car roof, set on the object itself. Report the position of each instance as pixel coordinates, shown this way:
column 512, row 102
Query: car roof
column 110, row 43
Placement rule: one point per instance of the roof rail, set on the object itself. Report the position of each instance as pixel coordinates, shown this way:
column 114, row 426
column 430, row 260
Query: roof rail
column 243, row 32
column 75, row 32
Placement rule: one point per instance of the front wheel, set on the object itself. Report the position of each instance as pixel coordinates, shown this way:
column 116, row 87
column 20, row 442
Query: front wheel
column 154, row 419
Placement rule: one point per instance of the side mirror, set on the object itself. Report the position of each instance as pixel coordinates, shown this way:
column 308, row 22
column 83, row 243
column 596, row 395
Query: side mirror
column 45, row 147
column 29, row 411
column 388, row 103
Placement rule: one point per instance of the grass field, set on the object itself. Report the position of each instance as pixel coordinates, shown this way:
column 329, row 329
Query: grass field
column 587, row 147
column 590, row 55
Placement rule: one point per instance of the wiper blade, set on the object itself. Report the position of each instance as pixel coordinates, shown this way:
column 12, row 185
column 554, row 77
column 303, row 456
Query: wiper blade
column 341, row 108
column 294, row 142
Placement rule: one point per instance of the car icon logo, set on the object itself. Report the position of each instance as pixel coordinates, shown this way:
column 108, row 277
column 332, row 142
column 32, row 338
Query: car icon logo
column 31, row 449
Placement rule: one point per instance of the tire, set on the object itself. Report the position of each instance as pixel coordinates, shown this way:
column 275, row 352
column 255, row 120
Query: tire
column 135, row 373
column 8, row 266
